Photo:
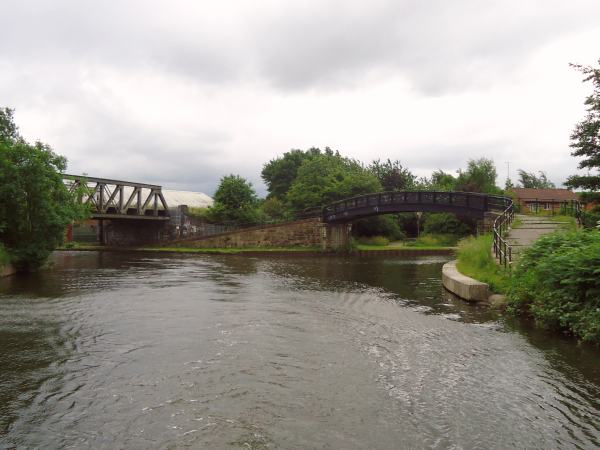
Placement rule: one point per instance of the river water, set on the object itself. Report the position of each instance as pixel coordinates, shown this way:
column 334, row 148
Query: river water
column 120, row 350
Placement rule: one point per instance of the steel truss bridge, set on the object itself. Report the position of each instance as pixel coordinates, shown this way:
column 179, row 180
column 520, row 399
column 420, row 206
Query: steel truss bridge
column 114, row 199
column 462, row 203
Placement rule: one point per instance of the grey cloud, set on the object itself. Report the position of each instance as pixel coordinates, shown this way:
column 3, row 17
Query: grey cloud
column 438, row 45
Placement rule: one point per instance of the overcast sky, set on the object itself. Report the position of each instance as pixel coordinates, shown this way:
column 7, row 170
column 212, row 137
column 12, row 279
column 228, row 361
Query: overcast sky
column 180, row 93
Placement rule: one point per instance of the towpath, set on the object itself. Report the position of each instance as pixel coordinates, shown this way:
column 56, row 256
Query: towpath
column 528, row 229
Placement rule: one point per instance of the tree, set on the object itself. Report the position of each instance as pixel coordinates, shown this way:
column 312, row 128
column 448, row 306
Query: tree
column 279, row 173
column 329, row 177
column 530, row 180
column 392, row 176
column 442, row 181
column 585, row 138
column 480, row 176
column 235, row 200
column 35, row 204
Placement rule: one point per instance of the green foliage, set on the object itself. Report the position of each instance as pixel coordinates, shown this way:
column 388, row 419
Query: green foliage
column 585, row 138
column 476, row 261
column 235, row 201
column 274, row 210
column 385, row 225
column 435, row 240
column 392, row 176
column 480, row 176
column 557, row 281
column 377, row 241
column 442, row 181
column 531, row 181
column 4, row 256
column 329, row 177
column 590, row 219
column 279, row 173
column 35, row 204
column 445, row 223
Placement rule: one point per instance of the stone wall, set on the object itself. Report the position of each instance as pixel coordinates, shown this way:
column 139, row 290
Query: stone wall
column 301, row 233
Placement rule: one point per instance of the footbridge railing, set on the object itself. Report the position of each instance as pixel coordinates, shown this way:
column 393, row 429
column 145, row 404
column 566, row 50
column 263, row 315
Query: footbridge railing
column 466, row 203
column 502, row 249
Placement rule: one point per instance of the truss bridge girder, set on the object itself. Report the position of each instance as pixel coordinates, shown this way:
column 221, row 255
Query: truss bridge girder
column 115, row 199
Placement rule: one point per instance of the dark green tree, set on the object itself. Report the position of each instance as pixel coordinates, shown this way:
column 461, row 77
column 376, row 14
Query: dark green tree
column 279, row 173
column 392, row 176
column 585, row 138
column 442, row 181
column 234, row 201
column 530, row 180
column 35, row 204
column 480, row 176
column 329, row 177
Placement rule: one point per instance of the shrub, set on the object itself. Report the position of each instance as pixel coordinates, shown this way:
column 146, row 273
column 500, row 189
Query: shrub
column 436, row 240
column 385, row 225
column 445, row 223
column 379, row 241
column 4, row 258
column 557, row 282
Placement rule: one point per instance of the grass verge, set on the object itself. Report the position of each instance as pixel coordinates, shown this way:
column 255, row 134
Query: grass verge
column 475, row 260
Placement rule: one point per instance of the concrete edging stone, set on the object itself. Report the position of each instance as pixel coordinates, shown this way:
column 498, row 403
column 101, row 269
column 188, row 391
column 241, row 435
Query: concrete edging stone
column 463, row 286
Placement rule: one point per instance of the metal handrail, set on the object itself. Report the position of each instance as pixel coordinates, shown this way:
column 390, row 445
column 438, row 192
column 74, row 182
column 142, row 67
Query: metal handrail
column 502, row 249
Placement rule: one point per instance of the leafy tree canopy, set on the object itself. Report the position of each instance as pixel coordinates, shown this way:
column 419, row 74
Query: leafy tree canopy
column 480, row 176
column 279, row 173
column 585, row 138
column 392, row 176
column 235, row 200
column 329, row 177
column 35, row 204
column 530, row 180
column 442, row 181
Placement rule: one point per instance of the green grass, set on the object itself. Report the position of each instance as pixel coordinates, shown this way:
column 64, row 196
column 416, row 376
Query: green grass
column 475, row 260
column 435, row 240
column 374, row 241
column 231, row 250
column 403, row 247
column 571, row 222
column 4, row 257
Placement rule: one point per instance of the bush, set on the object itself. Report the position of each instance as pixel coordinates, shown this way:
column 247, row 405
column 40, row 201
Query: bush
column 4, row 258
column 436, row 240
column 379, row 241
column 385, row 225
column 558, row 283
column 445, row 223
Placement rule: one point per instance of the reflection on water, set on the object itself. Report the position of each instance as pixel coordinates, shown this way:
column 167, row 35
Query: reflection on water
column 107, row 350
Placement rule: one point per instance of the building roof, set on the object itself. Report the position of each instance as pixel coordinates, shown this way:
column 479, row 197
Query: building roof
column 559, row 195
column 191, row 199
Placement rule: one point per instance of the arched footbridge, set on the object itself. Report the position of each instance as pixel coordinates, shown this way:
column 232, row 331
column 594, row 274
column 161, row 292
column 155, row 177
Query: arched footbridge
column 462, row 203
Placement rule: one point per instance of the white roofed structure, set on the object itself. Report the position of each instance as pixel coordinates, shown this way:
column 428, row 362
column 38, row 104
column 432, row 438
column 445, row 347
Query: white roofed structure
column 188, row 198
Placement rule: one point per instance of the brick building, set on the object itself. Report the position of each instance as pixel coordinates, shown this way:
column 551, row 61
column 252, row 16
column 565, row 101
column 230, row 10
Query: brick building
column 551, row 201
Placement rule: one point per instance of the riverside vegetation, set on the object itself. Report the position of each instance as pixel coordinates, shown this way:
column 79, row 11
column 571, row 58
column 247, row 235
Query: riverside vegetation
column 556, row 281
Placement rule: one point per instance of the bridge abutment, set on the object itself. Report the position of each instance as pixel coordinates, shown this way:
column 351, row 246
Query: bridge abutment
column 130, row 233
column 337, row 236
